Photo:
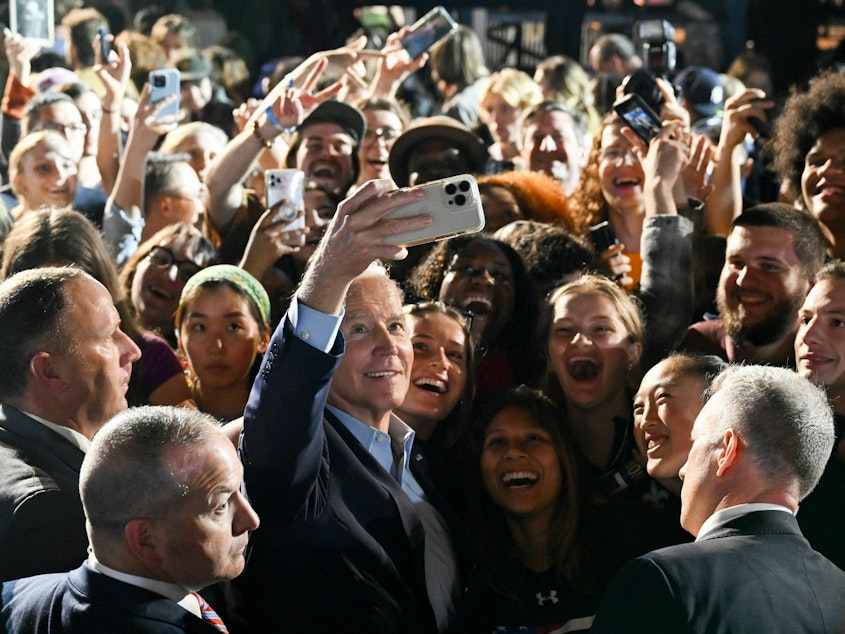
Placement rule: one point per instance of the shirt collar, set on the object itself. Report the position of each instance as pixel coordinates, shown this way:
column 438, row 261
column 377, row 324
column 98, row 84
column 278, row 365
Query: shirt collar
column 723, row 516
column 171, row 591
column 71, row 435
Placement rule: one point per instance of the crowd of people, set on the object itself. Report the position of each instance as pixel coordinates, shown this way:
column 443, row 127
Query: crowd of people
column 618, row 407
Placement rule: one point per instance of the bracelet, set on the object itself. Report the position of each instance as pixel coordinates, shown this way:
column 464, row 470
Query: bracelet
column 256, row 131
column 111, row 110
column 271, row 117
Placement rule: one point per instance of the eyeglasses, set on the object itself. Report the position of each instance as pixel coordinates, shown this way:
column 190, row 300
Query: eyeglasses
column 70, row 128
column 163, row 257
column 615, row 154
column 471, row 270
column 386, row 134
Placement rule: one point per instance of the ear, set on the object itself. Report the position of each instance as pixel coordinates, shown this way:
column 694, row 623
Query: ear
column 728, row 453
column 263, row 342
column 18, row 183
column 47, row 371
column 141, row 537
column 635, row 350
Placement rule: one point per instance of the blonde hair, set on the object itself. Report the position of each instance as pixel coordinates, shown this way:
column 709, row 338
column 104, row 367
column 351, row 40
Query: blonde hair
column 179, row 134
column 517, row 88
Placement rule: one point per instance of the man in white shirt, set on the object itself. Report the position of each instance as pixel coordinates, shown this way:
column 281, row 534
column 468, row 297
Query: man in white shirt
column 64, row 372
column 161, row 487
column 760, row 445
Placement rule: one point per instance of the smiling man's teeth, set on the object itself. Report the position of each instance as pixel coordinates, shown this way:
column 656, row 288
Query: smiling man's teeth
column 432, row 385
column 379, row 375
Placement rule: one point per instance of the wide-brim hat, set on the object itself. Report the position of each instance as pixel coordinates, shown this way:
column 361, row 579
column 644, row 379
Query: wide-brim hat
column 347, row 117
column 438, row 127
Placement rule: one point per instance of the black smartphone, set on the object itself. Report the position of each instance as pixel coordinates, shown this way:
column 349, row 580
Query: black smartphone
column 636, row 114
column 603, row 236
column 104, row 44
column 427, row 31
column 764, row 128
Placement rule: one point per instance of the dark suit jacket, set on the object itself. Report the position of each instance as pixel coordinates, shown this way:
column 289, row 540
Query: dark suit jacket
column 340, row 546
column 42, row 526
column 86, row 601
column 756, row 574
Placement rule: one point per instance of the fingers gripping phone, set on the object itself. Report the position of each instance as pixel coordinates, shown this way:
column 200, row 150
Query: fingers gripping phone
column 285, row 189
column 427, row 31
column 638, row 116
column 165, row 82
column 454, row 205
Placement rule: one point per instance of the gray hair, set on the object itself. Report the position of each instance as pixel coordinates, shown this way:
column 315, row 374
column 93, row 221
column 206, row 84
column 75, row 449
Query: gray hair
column 783, row 419
column 126, row 474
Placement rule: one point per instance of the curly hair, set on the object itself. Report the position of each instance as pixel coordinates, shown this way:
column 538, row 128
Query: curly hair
column 539, row 196
column 806, row 116
column 426, row 279
column 588, row 202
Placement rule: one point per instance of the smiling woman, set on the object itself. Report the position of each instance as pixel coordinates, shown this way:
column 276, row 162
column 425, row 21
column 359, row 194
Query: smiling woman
column 42, row 172
column 526, row 506
column 487, row 278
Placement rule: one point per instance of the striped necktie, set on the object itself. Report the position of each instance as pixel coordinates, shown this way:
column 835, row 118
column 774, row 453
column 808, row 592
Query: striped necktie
column 209, row 615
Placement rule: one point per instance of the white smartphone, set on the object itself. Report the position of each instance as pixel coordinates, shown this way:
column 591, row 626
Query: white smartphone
column 454, row 205
column 165, row 82
column 427, row 31
column 285, row 188
column 33, row 19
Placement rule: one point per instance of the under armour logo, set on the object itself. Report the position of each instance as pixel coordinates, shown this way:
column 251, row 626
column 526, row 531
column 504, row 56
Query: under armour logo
column 552, row 598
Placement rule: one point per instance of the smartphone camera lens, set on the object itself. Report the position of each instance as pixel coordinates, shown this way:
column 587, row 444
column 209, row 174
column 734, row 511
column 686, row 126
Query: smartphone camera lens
column 464, row 185
column 451, row 189
column 159, row 81
column 460, row 199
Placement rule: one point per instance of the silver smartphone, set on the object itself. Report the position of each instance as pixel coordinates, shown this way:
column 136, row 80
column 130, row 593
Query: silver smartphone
column 285, row 189
column 427, row 31
column 163, row 83
column 454, row 205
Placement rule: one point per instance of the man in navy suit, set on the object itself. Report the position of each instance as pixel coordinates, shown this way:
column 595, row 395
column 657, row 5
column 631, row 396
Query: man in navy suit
column 64, row 371
column 760, row 445
column 161, row 487
column 353, row 536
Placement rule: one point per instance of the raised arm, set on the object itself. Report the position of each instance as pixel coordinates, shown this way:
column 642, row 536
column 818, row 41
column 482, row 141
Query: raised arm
column 114, row 73
column 725, row 203
column 288, row 105
column 282, row 446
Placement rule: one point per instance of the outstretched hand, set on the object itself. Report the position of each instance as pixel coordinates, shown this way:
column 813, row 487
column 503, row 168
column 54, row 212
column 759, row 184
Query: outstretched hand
column 354, row 239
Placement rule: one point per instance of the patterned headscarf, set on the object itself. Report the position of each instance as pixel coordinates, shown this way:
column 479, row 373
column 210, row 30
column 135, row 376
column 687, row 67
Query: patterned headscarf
column 234, row 275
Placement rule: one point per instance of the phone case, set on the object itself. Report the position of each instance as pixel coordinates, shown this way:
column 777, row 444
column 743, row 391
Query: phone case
column 165, row 82
column 454, row 205
column 105, row 47
column 427, row 31
column 603, row 236
column 638, row 116
column 287, row 185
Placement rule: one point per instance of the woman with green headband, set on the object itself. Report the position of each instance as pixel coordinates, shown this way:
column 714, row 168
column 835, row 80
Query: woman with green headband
column 222, row 325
